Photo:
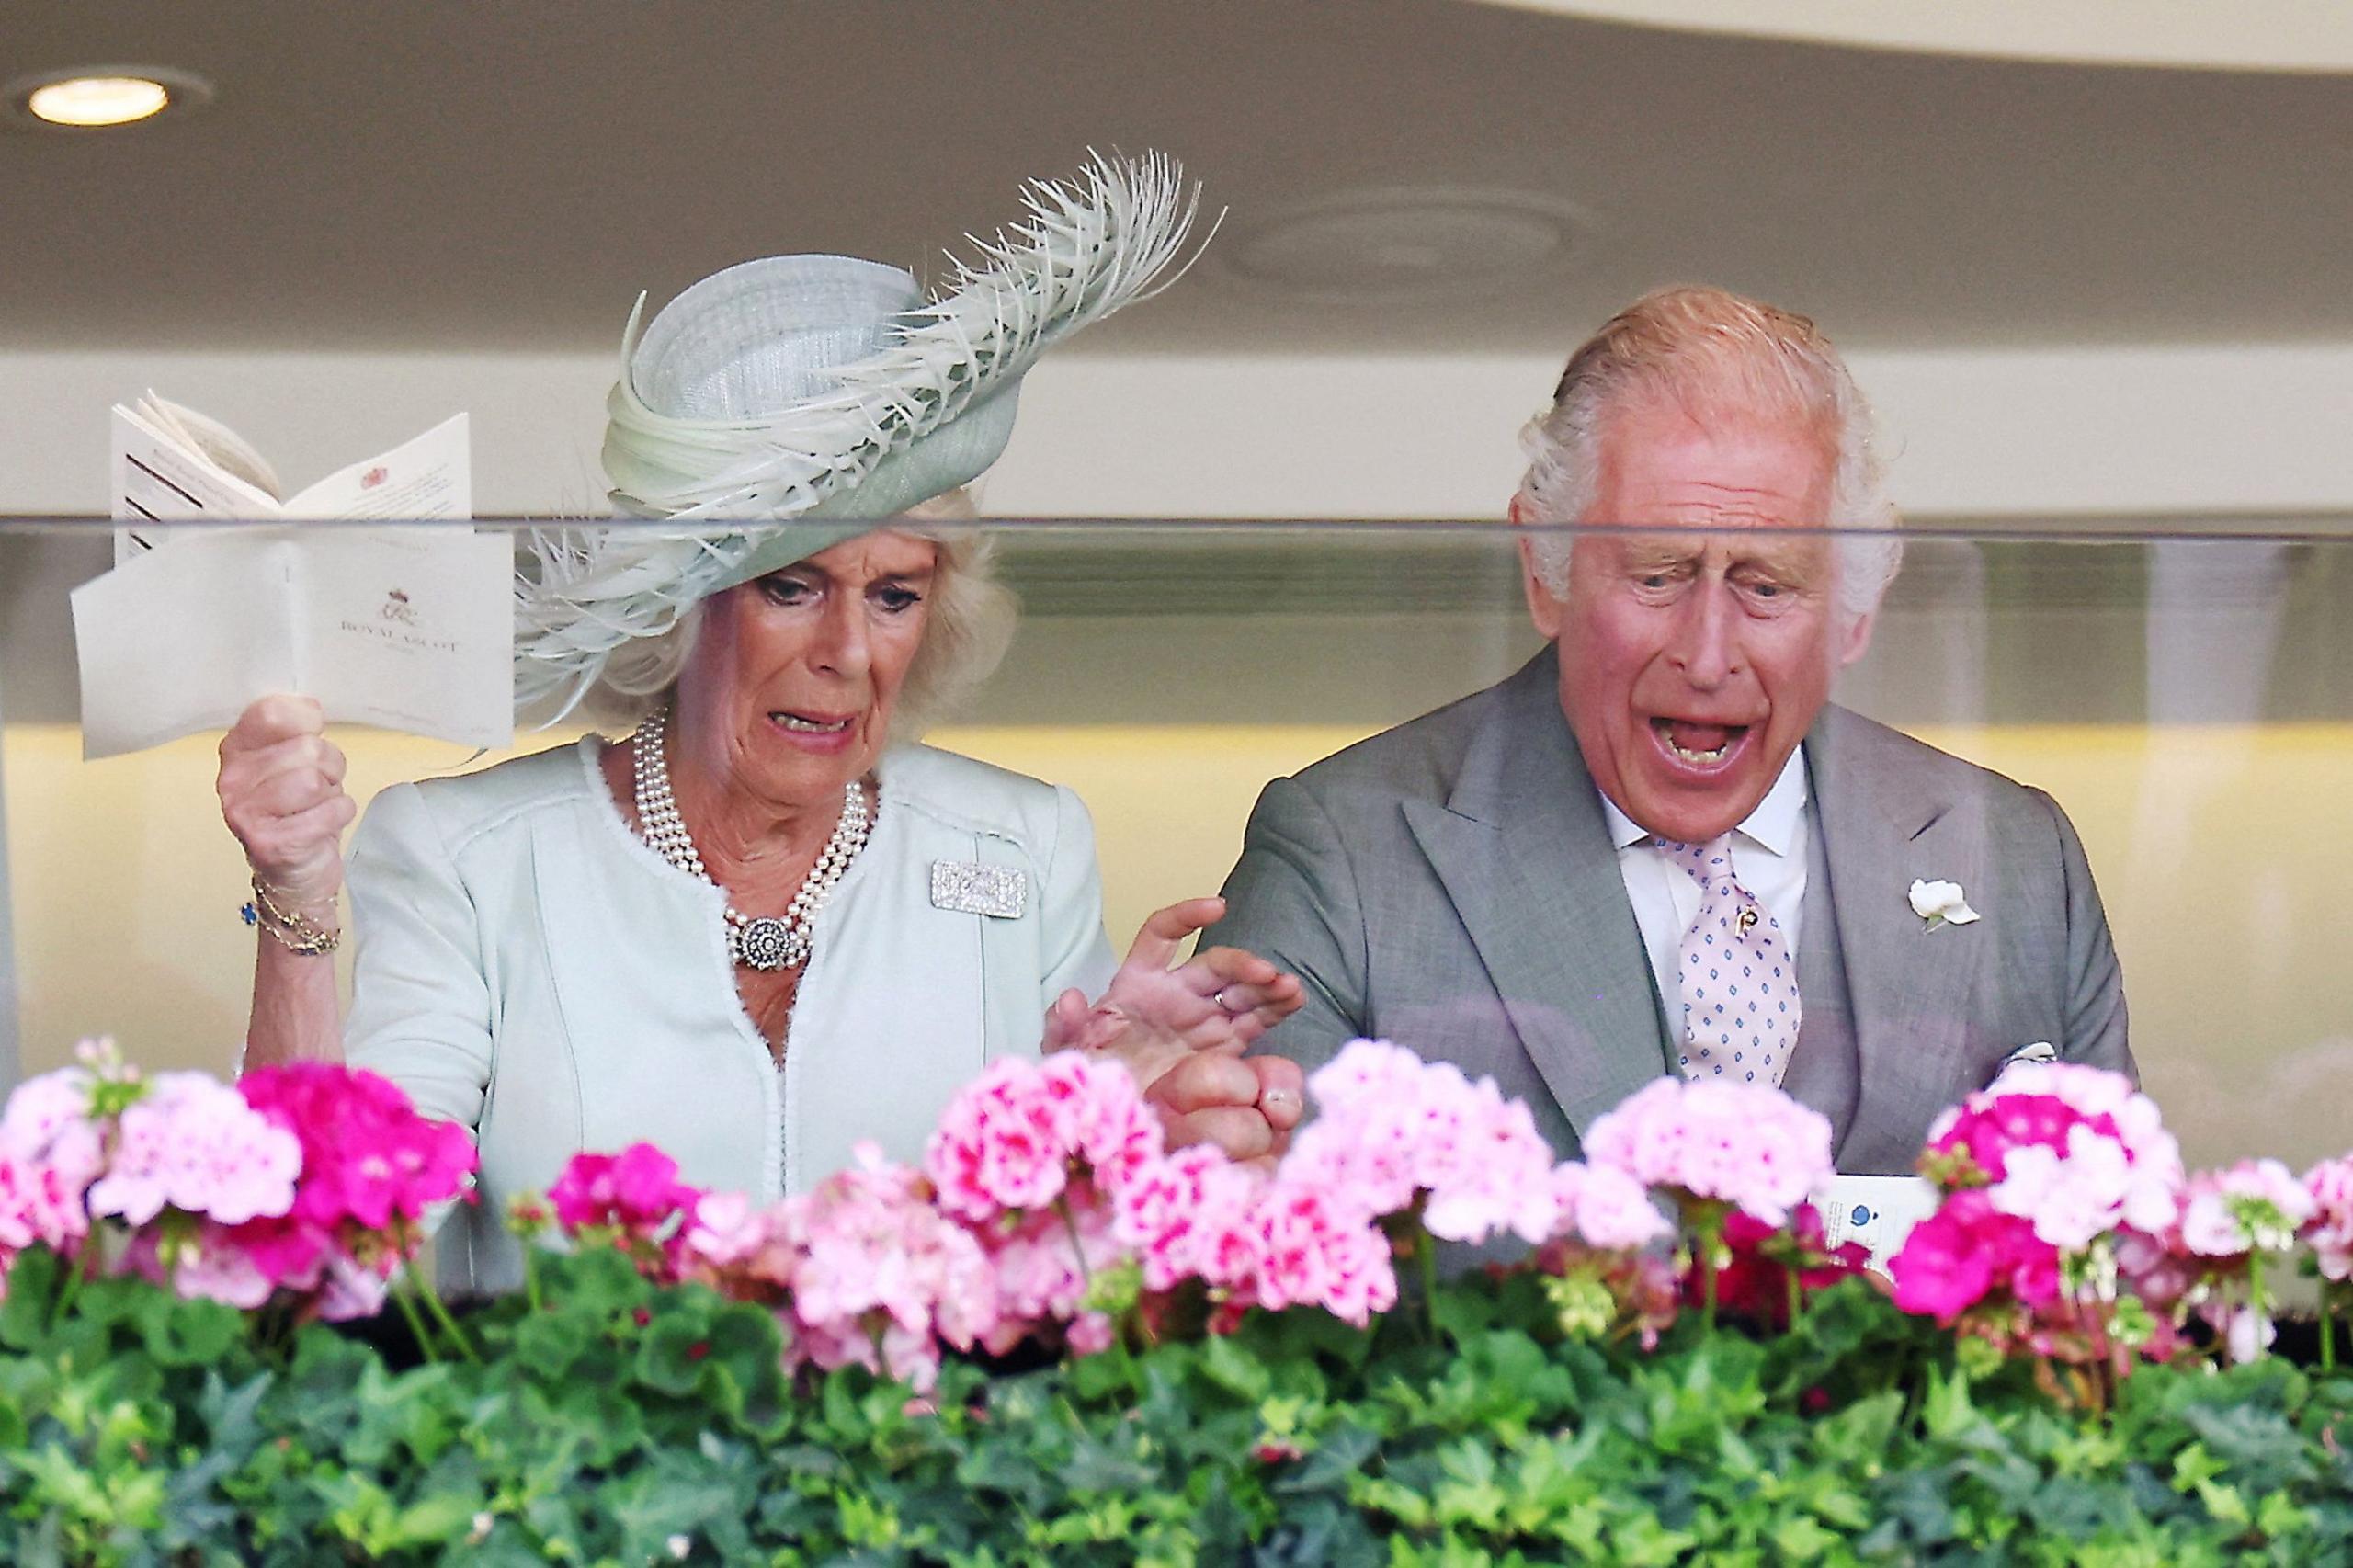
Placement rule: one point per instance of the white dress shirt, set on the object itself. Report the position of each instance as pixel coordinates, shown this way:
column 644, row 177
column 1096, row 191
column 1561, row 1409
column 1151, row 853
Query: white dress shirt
column 1767, row 859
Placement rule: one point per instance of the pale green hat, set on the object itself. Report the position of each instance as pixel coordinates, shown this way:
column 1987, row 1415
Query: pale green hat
column 782, row 405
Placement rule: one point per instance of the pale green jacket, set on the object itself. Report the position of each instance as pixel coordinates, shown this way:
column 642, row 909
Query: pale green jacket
column 528, row 968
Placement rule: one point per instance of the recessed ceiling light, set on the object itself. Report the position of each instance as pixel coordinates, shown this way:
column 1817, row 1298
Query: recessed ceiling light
column 88, row 98
column 1389, row 243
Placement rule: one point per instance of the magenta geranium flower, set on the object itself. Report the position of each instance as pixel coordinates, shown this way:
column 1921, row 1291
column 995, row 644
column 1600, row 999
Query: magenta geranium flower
column 636, row 1191
column 1957, row 1257
column 367, row 1157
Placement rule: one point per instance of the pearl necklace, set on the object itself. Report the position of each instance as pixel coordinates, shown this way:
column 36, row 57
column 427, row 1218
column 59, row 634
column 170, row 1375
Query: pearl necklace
column 768, row 942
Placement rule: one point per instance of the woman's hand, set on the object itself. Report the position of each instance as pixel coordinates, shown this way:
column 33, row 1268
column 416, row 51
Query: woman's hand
column 1181, row 1032
column 281, row 794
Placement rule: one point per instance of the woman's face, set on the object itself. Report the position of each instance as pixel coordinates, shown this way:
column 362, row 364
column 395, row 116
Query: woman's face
column 793, row 678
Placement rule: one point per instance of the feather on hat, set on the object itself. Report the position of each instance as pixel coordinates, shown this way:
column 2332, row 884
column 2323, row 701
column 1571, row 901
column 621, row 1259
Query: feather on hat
column 782, row 405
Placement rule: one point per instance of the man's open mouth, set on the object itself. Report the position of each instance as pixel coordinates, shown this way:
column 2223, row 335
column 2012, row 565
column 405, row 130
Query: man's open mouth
column 1701, row 745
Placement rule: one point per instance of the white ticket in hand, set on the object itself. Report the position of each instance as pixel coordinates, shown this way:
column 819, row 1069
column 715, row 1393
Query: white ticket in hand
column 408, row 628
column 1876, row 1210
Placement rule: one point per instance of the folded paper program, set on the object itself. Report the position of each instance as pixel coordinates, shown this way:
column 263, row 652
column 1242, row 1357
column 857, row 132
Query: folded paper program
column 407, row 628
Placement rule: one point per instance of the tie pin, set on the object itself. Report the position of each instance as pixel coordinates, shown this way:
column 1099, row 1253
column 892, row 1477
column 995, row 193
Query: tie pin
column 1747, row 920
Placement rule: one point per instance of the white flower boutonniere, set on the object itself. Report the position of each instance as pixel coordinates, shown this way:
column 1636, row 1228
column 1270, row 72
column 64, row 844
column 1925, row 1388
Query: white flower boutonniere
column 1941, row 903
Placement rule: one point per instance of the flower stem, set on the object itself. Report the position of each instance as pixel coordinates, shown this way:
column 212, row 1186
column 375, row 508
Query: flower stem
column 1426, row 1258
column 2327, row 1328
column 449, row 1326
column 2107, row 1375
column 407, row 1280
column 1710, row 1228
column 76, row 1270
column 1078, row 1247
column 416, row 1322
column 2259, row 1299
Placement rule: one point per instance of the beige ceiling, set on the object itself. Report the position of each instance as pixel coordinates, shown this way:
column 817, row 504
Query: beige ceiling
column 2258, row 35
column 504, row 177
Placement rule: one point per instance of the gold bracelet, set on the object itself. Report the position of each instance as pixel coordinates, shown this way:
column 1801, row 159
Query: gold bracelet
column 293, row 929
column 311, row 946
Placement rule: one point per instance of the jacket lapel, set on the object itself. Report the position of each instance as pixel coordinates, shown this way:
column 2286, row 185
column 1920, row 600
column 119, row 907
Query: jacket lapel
column 1909, row 987
column 1524, row 854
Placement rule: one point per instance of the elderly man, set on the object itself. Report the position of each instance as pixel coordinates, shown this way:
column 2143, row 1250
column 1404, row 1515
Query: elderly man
column 1658, row 847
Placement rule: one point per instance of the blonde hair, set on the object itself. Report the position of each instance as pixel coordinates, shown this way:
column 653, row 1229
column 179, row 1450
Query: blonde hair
column 1712, row 355
column 969, row 623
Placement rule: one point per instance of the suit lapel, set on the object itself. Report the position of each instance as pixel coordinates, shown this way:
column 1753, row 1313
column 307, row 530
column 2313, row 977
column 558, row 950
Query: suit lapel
column 1909, row 987
column 1524, row 854
column 1822, row 1071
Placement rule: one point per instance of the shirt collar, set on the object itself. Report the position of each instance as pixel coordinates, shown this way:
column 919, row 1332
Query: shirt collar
column 1773, row 825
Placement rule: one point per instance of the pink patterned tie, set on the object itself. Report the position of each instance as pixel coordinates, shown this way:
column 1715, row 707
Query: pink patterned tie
column 1740, row 988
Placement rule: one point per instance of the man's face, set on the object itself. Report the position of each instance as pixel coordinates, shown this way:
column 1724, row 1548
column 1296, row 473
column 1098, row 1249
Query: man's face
column 1692, row 663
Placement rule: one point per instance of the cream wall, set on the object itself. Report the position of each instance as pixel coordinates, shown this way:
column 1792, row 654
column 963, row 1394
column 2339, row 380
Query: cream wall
column 2221, row 851
column 8, row 1063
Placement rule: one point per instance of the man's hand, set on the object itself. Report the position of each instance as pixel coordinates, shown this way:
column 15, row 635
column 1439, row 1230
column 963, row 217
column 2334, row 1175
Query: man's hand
column 1181, row 1033
column 1246, row 1104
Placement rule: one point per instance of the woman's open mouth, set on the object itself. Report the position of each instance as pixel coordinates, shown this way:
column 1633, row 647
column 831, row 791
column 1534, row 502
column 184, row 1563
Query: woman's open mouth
column 815, row 735
column 811, row 725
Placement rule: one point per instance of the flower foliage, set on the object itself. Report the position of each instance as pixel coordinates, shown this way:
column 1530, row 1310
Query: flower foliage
column 1049, row 1213
column 703, row 1377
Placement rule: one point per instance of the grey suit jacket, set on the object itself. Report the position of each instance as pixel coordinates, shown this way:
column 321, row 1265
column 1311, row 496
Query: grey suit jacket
column 1450, row 884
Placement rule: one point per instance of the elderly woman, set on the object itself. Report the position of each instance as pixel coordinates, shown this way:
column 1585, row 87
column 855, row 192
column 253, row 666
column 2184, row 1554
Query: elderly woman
column 763, row 928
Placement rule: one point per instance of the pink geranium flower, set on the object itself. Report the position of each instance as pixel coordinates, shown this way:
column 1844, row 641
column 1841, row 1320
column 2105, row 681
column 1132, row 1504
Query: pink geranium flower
column 1389, row 1127
column 2253, row 1206
column 1745, row 1145
column 371, row 1168
column 1315, row 1251
column 1045, row 1266
column 41, row 1203
column 192, row 1144
column 1189, row 1217
column 2330, row 1228
column 48, row 1127
column 722, row 1231
column 1604, row 1207
column 278, row 1189
column 1012, row 1139
column 880, row 1278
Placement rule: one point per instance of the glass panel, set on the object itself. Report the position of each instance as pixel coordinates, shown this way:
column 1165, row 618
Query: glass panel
column 2188, row 699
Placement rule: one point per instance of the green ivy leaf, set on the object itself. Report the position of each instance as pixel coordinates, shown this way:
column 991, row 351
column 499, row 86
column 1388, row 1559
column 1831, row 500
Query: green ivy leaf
column 33, row 1278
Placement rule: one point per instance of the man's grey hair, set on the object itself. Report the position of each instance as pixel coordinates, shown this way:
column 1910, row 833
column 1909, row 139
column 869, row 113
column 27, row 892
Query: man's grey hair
column 1712, row 355
column 969, row 623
